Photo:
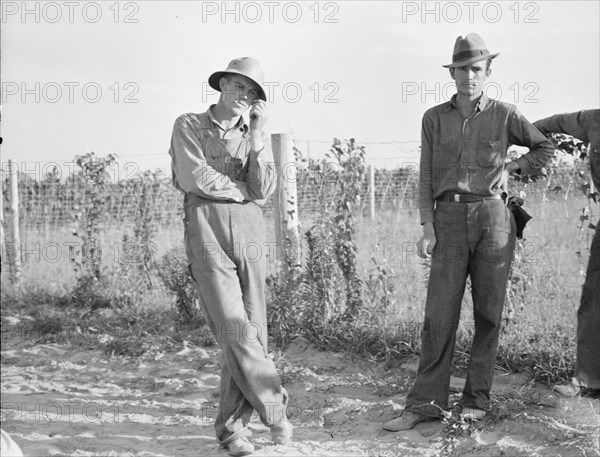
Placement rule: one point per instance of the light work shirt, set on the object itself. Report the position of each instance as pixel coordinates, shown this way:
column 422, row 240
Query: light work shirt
column 218, row 164
column 467, row 156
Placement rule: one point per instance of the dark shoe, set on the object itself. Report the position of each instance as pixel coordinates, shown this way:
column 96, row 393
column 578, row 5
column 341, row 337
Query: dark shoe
column 473, row 414
column 239, row 447
column 591, row 393
column 405, row 422
column 282, row 433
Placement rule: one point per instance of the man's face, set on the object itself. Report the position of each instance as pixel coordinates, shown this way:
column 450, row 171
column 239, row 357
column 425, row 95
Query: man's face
column 470, row 79
column 238, row 92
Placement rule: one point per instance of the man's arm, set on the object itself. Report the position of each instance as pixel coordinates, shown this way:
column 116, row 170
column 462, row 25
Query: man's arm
column 584, row 126
column 523, row 133
column 568, row 123
column 193, row 174
column 428, row 240
column 261, row 178
column 426, row 172
column 262, row 175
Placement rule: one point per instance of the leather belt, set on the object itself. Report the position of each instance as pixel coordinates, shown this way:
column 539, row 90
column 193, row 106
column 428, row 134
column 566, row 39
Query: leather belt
column 466, row 198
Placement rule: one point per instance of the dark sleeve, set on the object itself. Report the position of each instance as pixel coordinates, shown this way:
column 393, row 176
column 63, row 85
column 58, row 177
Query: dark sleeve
column 425, row 171
column 568, row 123
column 523, row 133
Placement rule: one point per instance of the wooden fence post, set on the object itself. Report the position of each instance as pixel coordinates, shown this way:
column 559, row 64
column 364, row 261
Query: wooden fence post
column 286, row 201
column 2, row 241
column 15, row 251
column 372, row 192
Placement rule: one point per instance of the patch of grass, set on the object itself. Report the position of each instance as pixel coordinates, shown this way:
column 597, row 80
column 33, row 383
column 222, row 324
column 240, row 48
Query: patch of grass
column 539, row 325
column 122, row 328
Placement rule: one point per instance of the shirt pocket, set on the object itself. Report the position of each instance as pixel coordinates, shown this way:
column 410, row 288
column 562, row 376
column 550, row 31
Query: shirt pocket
column 215, row 153
column 490, row 154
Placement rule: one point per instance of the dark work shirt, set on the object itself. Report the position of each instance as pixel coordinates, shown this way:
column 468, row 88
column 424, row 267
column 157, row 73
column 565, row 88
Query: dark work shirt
column 467, row 156
column 583, row 125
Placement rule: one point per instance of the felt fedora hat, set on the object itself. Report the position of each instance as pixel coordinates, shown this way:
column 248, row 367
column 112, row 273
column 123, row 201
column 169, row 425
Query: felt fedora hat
column 468, row 50
column 245, row 66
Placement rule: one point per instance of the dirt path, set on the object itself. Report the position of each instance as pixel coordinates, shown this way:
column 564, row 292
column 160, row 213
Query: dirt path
column 65, row 400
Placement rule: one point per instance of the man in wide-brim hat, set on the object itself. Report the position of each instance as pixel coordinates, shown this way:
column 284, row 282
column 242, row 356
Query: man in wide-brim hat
column 223, row 164
column 469, row 50
column 467, row 230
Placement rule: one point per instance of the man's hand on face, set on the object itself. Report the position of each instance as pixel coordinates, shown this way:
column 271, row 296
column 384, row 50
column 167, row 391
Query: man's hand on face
column 258, row 116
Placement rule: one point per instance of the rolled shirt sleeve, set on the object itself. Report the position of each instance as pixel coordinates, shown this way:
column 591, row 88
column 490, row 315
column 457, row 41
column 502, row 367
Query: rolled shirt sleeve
column 261, row 177
column 524, row 133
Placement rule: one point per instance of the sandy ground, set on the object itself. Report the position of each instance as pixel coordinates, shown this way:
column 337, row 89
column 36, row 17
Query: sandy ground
column 60, row 399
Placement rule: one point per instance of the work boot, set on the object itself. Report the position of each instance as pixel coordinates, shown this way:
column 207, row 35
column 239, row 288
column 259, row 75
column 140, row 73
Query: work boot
column 282, row 433
column 473, row 414
column 239, row 447
column 406, row 421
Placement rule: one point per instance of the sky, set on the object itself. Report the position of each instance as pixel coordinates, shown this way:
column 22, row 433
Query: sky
column 111, row 77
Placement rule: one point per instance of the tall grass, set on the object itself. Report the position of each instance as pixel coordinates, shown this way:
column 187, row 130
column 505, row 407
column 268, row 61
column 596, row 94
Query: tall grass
column 540, row 323
column 539, row 334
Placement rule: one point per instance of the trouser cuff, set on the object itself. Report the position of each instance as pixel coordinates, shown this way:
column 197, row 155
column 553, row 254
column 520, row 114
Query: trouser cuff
column 242, row 432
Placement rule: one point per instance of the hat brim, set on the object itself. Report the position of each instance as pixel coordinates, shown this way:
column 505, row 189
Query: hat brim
column 469, row 61
column 213, row 81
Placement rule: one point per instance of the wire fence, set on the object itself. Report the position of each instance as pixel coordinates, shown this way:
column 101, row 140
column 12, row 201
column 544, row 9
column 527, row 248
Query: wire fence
column 50, row 212
column 53, row 205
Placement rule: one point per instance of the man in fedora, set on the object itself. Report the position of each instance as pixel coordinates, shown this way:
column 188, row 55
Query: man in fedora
column 467, row 230
column 585, row 126
column 223, row 164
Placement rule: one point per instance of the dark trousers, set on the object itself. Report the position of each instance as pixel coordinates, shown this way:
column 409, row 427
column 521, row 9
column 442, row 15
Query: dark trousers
column 477, row 240
column 588, row 322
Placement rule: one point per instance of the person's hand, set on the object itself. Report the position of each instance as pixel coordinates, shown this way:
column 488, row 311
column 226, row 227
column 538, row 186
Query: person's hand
column 503, row 184
column 427, row 242
column 509, row 168
column 258, row 116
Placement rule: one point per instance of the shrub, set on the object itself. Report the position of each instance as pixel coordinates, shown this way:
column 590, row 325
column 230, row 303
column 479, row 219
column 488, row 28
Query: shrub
column 173, row 271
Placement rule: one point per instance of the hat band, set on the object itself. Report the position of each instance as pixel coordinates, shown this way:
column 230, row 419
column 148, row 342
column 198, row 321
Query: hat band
column 470, row 54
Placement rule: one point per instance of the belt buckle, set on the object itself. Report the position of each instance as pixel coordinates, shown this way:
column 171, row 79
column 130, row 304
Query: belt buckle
column 457, row 198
